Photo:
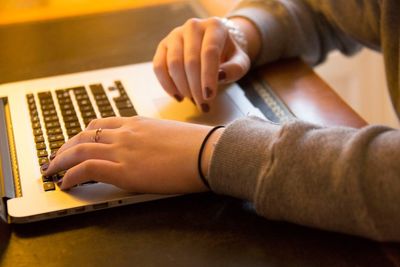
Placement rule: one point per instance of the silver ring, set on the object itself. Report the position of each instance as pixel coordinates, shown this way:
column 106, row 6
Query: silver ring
column 96, row 137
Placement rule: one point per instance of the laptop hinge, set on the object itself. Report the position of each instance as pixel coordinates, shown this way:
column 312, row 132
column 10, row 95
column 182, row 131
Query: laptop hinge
column 9, row 175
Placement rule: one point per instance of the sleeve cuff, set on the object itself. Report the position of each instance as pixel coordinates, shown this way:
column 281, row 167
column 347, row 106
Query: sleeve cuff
column 234, row 166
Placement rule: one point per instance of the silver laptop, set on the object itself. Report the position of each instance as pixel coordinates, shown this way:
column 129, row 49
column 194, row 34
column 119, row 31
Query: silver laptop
column 38, row 116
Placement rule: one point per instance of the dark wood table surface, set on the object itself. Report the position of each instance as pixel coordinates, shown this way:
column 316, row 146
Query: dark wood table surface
column 192, row 230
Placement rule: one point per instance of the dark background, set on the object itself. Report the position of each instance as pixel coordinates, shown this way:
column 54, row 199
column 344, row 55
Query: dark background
column 192, row 230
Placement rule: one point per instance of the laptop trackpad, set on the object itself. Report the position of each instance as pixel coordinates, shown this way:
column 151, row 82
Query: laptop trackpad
column 222, row 110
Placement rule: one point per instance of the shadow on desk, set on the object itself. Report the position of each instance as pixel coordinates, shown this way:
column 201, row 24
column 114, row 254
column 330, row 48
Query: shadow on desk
column 192, row 230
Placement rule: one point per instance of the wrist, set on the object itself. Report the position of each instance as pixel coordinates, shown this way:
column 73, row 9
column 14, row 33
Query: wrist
column 209, row 150
column 251, row 34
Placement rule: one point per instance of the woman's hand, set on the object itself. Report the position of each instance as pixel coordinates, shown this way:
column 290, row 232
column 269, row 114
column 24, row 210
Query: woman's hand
column 136, row 154
column 195, row 57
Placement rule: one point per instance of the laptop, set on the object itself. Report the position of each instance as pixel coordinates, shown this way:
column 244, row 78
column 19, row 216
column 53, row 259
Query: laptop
column 38, row 116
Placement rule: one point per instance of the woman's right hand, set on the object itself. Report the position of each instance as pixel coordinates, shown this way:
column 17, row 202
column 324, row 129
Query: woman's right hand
column 194, row 58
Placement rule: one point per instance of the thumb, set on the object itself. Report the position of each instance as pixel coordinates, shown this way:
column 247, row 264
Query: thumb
column 235, row 67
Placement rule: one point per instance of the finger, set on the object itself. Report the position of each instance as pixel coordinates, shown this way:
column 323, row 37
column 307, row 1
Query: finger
column 212, row 47
column 161, row 70
column 175, row 63
column 92, row 170
column 193, row 37
column 88, row 136
column 106, row 123
column 236, row 66
column 78, row 154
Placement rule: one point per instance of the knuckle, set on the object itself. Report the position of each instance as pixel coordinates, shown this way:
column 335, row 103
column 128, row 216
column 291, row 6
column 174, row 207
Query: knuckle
column 157, row 68
column 136, row 119
column 192, row 23
column 191, row 62
column 211, row 51
column 81, row 150
column 215, row 22
column 174, row 63
column 93, row 124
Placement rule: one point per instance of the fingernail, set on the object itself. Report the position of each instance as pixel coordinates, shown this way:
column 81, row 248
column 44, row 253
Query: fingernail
column 178, row 98
column 205, row 108
column 209, row 92
column 59, row 183
column 221, row 75
column 44, row 167
column 191, row 99
column 53, row 155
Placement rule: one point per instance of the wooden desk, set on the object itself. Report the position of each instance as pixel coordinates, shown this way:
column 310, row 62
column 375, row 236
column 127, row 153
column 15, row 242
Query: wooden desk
column 192, row 230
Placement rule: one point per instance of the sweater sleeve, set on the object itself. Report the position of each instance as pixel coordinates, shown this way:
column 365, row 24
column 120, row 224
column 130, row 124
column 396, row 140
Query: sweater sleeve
column 338, row 179
column 310, row 29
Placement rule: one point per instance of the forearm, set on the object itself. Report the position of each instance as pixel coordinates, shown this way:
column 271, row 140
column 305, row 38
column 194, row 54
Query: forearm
column 338, row 179
column 311, row 29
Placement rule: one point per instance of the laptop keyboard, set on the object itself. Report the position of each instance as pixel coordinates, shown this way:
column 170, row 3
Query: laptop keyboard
column 57, row 116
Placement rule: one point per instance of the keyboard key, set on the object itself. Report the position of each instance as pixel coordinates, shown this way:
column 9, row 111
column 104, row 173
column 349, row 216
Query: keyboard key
column 46, row 179
column 72, row 124
column 88, row 120
column 79, row 90
column 35, row 119
column 70, row 118
column 124, row 104
column 68, row 112
column 52, row 124
column 103, row 103
column 97, row 89
column 49, row 112
column 84, row 102
column 100, row 97
column 49, row 186
column 105, row 108
column 40, row 146
column 73, row 131
column 32, row 106
column 57, row 137
column 81, row 97
column 64, row 101
column 121, row 98
column 43, row 161
column 56, row 144
column 33, row 112
column 44, row 95
column 51, row 118
column 67, row 107
column 86, row 108
column 127, row 112
column 89, row 114
column 53, row 131
column 36, row 125
column 37, row 132
column 42, row 153
column 39, row 139
column 105, row 114
column 46, row 101
column 61, row 94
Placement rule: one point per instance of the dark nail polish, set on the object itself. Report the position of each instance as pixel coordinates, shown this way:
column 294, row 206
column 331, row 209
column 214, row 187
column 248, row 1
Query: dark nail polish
column 178, row 98
column 191, row 99
column 205, row 108
column 53, row 155
column 44, row 167
column 209, row 92
column 221, row 75
column 59, row 183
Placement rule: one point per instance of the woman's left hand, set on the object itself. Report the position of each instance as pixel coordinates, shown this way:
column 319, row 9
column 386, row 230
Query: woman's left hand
column 136, row 154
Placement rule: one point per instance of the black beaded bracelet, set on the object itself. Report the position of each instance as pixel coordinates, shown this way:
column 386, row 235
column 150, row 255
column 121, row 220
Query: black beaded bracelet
column 202, row 177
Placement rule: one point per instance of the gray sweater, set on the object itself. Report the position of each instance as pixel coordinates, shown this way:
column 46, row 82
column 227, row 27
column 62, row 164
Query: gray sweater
column 336, row 178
